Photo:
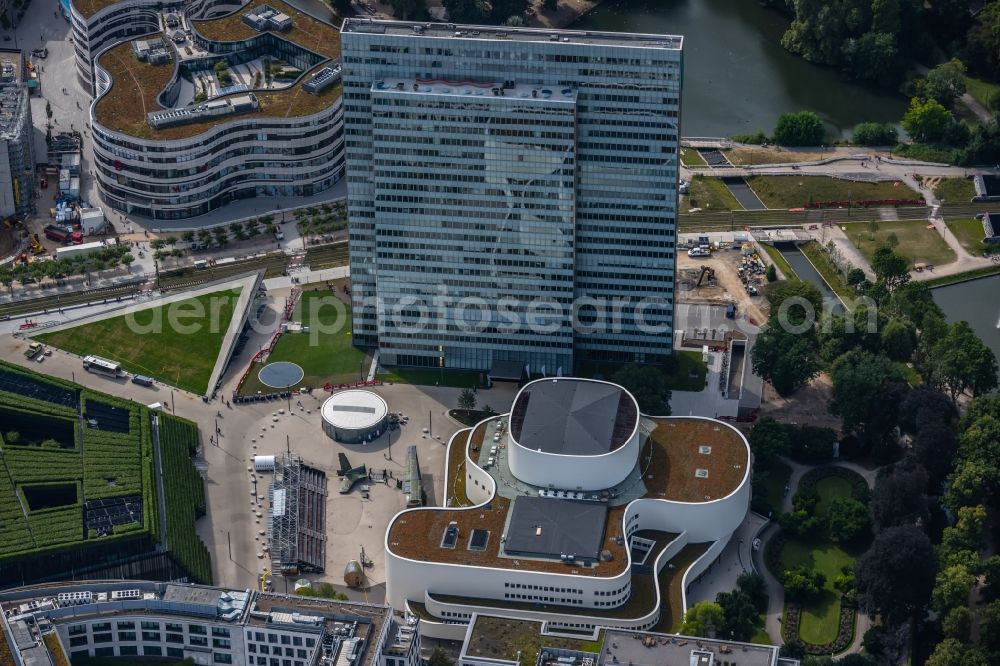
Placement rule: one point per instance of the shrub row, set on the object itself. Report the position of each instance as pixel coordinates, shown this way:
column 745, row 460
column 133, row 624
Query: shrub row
column 28, row 405
column 859, row 487
column 183, row 489
column 845, row 631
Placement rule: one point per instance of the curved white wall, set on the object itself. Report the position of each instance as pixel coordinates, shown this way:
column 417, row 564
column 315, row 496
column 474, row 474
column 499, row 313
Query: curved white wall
column 565, row 472
column 574, row 472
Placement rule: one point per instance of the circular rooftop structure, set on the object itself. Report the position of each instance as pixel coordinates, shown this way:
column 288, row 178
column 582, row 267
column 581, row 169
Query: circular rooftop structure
column 573, row 434
column 354, row 416
column 281, row 374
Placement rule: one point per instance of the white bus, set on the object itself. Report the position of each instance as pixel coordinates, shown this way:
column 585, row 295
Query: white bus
column 102, row 366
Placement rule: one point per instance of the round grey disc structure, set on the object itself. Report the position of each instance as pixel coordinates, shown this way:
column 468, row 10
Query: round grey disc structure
column 281, row 374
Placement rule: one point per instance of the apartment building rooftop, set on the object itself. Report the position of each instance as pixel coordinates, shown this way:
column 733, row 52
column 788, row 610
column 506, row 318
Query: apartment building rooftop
column 491, row 33
column 137, row 84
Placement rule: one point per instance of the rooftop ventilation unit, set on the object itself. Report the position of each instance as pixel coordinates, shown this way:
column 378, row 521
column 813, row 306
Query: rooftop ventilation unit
column 701, row 473
column 192, row 114
column 322, row 80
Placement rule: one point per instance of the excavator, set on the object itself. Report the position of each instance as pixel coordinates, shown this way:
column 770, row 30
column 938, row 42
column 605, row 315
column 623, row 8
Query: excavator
column 706, row 270
column 36, row 246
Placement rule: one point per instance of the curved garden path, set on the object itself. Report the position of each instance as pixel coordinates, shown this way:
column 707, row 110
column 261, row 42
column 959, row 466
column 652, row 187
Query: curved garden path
column 776, row 593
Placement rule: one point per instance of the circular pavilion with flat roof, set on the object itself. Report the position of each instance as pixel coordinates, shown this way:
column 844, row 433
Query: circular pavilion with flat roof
column 354, row 416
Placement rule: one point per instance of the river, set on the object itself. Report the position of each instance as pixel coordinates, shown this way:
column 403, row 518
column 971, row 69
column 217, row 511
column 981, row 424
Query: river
column 737, row 77
column 976, row 302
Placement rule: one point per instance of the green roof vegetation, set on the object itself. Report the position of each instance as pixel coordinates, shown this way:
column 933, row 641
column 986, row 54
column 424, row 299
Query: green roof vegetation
column 55, row 457
column 508, row 638
column 182, row 354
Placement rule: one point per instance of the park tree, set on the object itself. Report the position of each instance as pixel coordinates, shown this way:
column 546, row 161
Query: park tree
column 465, row 11
column 769, row 439
column 873, row 57
column 847, row 519
column 741, row 618
column 501, row 10
column 899, row 496
column 961, row 362
column 796, row 300
column 859, row 379
column 953, row 652
column 855, row 276
column 982, row 43
column 467, row 399
column 648, row 385
column 409, row 9
column 439, row 657
column 912, row 301
column 899, row 339
column 973, row 482
column 957, row 623
column 802, row 583
column 754, row 586
column 983, row 405
column 926, row 121
column 945, row 82
column 704, row 619
column 934, row 447
column 952, row 587
column 924, row 405
column 989, row 626
column 895, row 576
column 803, row 128
column 787, row 360
column 875, row 134
column 771, row 273
column 890, row 268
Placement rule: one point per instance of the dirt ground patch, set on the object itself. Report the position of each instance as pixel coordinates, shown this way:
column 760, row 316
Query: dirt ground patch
column 726, row 288
column 753, row 155
column 808, row 405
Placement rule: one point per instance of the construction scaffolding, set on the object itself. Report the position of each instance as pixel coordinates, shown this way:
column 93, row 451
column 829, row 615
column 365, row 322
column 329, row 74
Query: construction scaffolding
column 296, row 522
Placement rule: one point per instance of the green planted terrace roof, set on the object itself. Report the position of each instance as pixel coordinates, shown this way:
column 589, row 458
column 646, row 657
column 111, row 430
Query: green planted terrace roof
column 136, row 84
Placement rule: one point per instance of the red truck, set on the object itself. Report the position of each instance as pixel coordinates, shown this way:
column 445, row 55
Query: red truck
column 63, row 234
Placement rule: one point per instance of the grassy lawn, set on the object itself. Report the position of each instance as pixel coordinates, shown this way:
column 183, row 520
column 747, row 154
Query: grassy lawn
column 831, row 488
column 798, row 191
column 433, row 377
column 750, row 156
column 182, row 355
column 690, row 373
column 833, row 277
column 325, row 353
column 983, row 91
column 916, row 242
column 709, row 194
column 820, row 617
column 969, row 232
column 687, row 375
column 955, row 190
column 779, row 259
column 691, row 157
column 760, row 636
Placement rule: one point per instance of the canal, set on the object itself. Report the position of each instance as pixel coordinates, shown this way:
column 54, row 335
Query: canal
column 976, row 302
column 737, row 77
column 804, row 270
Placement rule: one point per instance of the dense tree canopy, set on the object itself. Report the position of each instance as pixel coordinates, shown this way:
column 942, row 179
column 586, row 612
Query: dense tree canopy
column 898, row 498
column 926, row 121
column 962, row 362
column 703, row 619
column 799, row 129
column 896, row 575
column 787, row 360
column 859, row 379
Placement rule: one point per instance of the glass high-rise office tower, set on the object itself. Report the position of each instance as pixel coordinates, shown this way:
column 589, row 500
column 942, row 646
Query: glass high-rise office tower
column 512, row 193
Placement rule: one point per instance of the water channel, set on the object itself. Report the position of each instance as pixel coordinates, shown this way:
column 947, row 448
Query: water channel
column 804, row 270
column 976, row 302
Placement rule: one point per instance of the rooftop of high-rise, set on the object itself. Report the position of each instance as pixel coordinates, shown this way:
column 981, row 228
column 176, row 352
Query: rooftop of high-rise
column 506, row 33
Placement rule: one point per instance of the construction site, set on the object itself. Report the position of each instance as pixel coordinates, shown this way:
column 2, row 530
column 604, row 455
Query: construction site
column 724, row 273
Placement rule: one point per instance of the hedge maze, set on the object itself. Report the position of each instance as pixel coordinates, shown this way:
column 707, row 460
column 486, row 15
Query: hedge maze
column 77, row 471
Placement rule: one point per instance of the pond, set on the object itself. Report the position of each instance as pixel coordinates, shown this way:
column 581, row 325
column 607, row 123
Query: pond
column 977, row 302
column 737, row 77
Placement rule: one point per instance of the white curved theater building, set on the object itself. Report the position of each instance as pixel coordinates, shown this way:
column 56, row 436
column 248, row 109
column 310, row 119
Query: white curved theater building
column 354, row 416
column 202, row 103
column 573, row 506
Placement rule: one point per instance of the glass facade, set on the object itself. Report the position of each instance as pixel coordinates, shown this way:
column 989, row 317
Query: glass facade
column 530, row 170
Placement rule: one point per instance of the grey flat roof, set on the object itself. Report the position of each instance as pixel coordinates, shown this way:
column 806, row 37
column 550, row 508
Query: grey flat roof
column 570, row 417
column 552, row 527
column 492, row 32
column 621, row 647
column 204, row 596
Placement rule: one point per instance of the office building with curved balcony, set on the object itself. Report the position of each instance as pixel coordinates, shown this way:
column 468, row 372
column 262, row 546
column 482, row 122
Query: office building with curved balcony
column 574, row 509
column 201, row 112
